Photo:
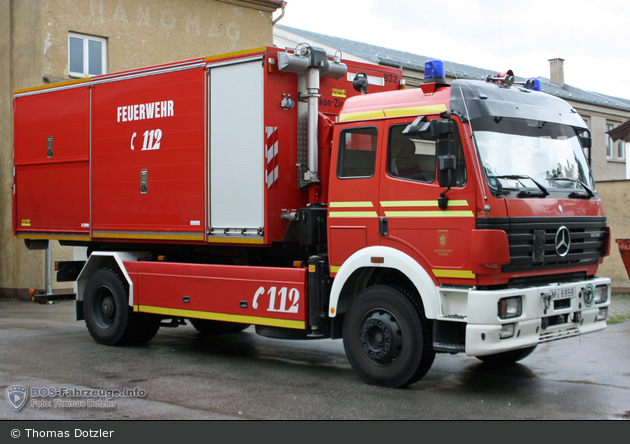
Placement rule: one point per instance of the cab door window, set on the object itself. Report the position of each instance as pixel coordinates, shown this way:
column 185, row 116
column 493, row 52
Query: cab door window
column 413, row 158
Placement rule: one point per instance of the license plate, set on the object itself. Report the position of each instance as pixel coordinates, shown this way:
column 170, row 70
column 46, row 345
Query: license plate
column 562, row 293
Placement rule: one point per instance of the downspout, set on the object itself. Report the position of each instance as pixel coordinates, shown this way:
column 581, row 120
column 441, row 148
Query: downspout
column 284, row 4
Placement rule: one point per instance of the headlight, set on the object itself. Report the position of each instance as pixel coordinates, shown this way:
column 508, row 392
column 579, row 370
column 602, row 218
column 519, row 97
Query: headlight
column 510, row 307
column 601, row 294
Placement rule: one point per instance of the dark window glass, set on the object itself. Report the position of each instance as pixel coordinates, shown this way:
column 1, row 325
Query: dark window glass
column 357, row 152
column 76, row 55
column 413, row 158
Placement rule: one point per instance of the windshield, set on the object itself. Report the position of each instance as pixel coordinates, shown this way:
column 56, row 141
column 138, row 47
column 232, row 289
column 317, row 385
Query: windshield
column 532, row 158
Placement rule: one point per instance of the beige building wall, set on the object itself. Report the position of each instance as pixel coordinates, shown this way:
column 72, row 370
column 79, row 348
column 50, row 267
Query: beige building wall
column 615, row 195
column 34, row 51
column 597, row 117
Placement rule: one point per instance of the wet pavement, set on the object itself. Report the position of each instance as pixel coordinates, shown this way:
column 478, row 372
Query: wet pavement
column 244, row 376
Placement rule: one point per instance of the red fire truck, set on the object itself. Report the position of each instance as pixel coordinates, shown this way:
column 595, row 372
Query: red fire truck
column 315, row 198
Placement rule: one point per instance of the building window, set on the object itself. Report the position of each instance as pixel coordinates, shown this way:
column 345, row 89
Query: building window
column 609, row 142
column 615, row 151
column 87, row 55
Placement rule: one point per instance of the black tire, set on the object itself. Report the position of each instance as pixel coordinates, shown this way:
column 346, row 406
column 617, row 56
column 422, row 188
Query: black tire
column 387, row 338
column 108, row 316
column 147, row 327
column 507, row 358
column 211, row 328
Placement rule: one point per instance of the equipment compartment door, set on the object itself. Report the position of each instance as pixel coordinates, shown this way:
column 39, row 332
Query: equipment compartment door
column 236, row 152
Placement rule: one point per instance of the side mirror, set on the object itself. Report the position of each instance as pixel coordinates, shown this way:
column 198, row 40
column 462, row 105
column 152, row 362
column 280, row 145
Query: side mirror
column 432, row 129
column 441, row 128
column 419, row 127
column 447, row 163
column 586, row 141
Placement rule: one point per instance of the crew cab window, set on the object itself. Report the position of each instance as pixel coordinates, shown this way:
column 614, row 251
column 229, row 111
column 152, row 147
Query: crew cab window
column 413, row 158
column 357, row 152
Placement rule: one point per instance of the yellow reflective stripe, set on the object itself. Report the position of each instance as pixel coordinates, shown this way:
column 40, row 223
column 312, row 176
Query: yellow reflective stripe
column 429, row 214
column 237, row 53
column 415, row 110
column 301, row 325
column 422, row 203
column 140, row 235
column 334, row 268
column 395, row 112
column 352, row 214
column 235, row 240
column 461, row 274
column 52, row 85
column 346, row 205
column 351, row 205
column 54, row 237
column 361, row 115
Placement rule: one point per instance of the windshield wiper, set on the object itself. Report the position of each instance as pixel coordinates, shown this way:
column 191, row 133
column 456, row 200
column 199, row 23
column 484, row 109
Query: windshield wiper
column 574, row 194
column 519, row 177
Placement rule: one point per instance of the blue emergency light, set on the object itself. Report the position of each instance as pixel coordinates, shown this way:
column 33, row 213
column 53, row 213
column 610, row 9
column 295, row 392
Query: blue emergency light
column 434, row 71
column 533, row 84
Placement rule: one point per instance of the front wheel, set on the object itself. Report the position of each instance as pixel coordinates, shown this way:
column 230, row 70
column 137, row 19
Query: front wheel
column 387, row 338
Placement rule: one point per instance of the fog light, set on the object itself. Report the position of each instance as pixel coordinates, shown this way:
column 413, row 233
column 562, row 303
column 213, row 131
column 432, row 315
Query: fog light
column 603, row 314
column 601, row 294
column 510, row 307
column 507, row 331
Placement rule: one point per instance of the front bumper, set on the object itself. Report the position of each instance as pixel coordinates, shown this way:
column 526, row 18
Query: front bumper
column 549, row 313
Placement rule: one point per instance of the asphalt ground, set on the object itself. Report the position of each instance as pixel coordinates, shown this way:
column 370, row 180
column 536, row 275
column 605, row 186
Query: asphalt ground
column 245, row 376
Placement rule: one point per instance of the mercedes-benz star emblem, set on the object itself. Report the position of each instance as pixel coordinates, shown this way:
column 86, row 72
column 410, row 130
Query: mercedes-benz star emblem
column 563, row 241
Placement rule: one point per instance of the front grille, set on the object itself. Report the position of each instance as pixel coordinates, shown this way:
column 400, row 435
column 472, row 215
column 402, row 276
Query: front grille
column 560, row 334
column 532, row 241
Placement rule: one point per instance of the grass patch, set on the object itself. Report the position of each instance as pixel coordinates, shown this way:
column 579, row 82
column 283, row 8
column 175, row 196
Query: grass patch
column 622, row 316
column 618, row 317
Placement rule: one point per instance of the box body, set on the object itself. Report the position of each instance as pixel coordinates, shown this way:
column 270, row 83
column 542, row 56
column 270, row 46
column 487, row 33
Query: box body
column 201, row 151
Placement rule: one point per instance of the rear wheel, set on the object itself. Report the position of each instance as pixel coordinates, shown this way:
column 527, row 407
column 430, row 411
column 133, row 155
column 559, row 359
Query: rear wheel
column 108, row 316
column 507, row 358
column 387, row 338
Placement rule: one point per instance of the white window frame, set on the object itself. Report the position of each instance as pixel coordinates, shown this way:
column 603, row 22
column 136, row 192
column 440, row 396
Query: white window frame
column 610, row 150
column 621, row 144
column 86, row 61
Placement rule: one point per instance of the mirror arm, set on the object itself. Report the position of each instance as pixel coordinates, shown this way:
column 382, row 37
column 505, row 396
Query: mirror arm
column 443, row 200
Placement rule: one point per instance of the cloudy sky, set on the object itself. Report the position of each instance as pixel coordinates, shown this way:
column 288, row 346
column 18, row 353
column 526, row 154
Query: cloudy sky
column 592, row 36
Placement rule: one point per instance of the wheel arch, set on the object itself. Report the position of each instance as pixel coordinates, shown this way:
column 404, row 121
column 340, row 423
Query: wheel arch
column 359, row 270
column 103, row 259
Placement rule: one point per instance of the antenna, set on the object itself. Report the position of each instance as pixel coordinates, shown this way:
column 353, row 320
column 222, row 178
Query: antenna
column 454, row 72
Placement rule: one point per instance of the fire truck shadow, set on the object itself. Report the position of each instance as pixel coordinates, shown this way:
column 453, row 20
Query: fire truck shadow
column 485, row 378
column 247, row 346
column 227, row 344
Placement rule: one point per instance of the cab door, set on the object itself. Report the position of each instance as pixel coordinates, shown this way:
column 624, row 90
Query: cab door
column 408, row 204
column 353, row 221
